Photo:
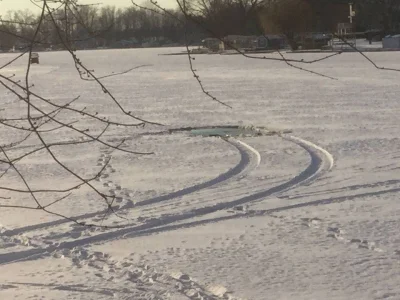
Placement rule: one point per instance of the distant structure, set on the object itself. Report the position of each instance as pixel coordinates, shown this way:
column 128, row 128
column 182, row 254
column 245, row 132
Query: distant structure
column 244, row 42
column 344, row 28
column 391, row 42
column 352, row 13
column 271, row 41
column 312, row 40
column 213, row 44
column 345, row 37
column 240, row 41
column 34, row 58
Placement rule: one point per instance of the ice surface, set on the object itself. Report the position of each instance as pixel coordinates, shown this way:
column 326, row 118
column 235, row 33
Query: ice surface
column 308, row 215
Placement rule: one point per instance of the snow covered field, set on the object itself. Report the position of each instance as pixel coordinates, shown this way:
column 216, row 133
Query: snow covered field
column 313, row 214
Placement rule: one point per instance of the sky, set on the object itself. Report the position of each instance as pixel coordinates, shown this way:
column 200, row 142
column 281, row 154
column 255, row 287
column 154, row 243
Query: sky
column 6, row 5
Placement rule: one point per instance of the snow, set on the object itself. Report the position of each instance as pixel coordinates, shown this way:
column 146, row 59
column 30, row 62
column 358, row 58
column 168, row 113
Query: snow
column 311, row 214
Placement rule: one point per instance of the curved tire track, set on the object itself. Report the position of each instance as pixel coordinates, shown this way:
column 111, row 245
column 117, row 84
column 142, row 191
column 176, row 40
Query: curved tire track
column 242, row 168
column 321, row 161
column 249, row 160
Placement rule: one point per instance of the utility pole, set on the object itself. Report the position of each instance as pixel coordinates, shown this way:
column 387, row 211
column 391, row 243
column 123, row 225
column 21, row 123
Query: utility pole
column 352, row 13
column 351, row 16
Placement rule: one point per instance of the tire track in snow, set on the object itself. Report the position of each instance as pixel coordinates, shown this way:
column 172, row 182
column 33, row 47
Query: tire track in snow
column 32, row 254
column 249, row 160
column 242, row 168
column 321, row 161
column 386, row 183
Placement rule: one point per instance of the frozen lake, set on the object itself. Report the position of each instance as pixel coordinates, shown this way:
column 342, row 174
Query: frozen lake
column 310, row 214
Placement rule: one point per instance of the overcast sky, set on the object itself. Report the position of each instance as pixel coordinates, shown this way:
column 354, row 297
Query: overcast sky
column 6, row 5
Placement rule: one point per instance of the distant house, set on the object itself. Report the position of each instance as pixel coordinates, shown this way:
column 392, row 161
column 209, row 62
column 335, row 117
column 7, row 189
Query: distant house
column 213, row 44
column 243, row 42
column 240, row 41
column 312, row 40
column 271, row 41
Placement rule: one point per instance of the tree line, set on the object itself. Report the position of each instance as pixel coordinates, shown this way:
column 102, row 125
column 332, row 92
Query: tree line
column 88, row 26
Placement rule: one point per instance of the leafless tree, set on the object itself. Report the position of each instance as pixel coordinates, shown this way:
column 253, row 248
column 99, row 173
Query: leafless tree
column 34, row 127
